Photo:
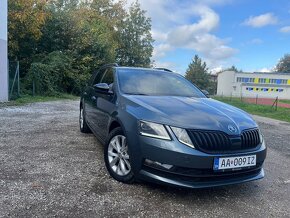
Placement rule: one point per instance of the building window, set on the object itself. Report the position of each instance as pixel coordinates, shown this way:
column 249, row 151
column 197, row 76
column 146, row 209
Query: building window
column 264, row 89
column 284, row 81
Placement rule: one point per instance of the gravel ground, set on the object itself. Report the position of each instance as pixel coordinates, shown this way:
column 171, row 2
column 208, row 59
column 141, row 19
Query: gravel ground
column 48, row 168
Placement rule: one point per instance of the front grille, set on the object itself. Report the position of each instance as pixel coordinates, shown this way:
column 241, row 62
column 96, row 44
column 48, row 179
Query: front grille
column 217, row 141
column 250, row 138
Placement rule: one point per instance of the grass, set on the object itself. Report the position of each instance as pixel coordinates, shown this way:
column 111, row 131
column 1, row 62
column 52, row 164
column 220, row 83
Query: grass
column 284, row 101
column 261, row 110
column 26, row 99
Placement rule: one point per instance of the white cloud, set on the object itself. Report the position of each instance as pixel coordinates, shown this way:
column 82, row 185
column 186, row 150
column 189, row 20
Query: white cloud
column 188, row 25
column 159, row 36
column 161, row 50
column 285, row 29
column 211, row 47
column 265, row 69
column 216, row 70
column 261, row 20
column 197, row 36
column 183, row 34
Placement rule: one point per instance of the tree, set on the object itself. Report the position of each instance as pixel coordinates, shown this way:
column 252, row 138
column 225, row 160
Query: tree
column 135, row 37
column 81, row 35
column 284, row 64
column 197, row 73
column 25, row 20
column 232, row 68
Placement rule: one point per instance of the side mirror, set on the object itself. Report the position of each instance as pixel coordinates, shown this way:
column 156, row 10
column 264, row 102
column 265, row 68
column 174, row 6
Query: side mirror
column 205, row 92
column 102, row 88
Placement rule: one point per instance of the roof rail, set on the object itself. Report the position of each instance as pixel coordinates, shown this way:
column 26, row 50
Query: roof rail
column 165, row 69
column 110, row 65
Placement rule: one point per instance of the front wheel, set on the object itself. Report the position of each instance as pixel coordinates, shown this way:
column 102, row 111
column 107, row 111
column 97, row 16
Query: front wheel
column 83, row 123
column 117, row 158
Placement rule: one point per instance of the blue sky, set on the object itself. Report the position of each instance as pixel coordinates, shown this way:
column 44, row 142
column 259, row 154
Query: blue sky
column 250, row 34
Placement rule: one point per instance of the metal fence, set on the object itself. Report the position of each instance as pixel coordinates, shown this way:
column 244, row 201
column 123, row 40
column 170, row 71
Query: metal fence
column 274, row 103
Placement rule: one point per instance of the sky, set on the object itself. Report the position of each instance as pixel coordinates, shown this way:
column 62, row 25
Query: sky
column 250, row 34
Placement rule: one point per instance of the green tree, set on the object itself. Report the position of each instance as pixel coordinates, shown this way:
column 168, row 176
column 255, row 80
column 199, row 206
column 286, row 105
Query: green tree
column 79, row 35
column 25, row 20
column 232, row 68
column 197, row 73
column 135, row 39
column 284, row 64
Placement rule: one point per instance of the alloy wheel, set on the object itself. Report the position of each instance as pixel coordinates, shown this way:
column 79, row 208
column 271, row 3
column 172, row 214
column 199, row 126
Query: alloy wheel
column 82, row 118
column 118, row 155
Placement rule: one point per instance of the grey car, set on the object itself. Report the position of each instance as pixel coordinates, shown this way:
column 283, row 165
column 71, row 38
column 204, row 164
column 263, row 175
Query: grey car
column 159, row 127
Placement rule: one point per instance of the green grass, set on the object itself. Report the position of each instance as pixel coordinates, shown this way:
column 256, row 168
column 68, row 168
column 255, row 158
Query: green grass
column 26, row 99
column 285, row 101
column 261, row 110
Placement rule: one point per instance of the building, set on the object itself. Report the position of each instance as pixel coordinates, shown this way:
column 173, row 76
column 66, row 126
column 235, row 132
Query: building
column 213, row 78
column 263, row 85
column 3, row 52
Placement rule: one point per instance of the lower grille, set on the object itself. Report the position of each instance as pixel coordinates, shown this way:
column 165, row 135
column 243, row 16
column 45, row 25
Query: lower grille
column 217, row 141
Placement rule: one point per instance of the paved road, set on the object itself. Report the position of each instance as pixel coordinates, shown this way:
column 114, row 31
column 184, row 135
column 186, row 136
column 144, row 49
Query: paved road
column 48, row 168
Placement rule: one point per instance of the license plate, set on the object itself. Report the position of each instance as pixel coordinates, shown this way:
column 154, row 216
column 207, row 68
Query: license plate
column 223, row 163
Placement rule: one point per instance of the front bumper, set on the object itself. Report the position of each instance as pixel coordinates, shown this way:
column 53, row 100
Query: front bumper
column 191, row 168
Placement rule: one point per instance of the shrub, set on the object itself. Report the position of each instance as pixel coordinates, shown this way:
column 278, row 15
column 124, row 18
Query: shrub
column 56, row 73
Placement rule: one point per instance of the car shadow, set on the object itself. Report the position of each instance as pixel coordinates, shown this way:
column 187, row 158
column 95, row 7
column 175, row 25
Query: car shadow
column 250, row 189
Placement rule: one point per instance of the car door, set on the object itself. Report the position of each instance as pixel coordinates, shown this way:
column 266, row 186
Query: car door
column 90, row 99
column 104, row 104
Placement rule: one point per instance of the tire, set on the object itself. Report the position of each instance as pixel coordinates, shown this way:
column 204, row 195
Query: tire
column 117, row 158
column 83, row 123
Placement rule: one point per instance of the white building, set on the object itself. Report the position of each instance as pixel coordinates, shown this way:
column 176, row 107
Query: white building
column 3, row 52
column 263, row 85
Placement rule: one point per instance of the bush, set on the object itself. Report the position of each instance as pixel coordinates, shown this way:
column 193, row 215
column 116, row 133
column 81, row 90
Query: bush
column 41, row 76
column 55, row 73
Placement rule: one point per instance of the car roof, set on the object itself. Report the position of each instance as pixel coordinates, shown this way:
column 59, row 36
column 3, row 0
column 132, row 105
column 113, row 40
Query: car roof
column 146, row 69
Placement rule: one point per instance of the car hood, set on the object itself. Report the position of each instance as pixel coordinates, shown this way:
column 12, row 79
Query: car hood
column 190, row 113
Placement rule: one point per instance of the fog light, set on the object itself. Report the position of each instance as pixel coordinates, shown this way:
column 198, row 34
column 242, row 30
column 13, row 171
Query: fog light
column 157, row 164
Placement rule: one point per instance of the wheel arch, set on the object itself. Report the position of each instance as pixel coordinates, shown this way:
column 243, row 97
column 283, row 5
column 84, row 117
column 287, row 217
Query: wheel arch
column 115, row 124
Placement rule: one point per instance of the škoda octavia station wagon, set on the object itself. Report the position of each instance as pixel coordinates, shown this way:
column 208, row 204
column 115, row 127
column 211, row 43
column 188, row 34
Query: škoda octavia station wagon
column 157, row 126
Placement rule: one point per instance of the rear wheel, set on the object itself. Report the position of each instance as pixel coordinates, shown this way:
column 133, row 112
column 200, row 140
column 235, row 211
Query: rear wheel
column 83, row 123
column 117, row 157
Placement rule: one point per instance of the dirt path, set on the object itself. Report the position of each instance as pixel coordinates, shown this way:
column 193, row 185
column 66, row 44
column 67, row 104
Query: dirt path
column 49, row 169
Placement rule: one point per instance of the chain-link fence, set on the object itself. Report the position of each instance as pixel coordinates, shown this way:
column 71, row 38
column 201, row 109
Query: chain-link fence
column 274, row 103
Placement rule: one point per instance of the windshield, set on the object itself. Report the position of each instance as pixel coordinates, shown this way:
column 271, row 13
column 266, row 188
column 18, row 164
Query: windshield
column 156, row 83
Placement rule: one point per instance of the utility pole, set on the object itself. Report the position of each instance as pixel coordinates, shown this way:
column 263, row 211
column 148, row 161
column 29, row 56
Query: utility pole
column 3, row 51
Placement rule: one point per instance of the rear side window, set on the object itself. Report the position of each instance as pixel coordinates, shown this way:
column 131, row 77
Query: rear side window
column 108, row 77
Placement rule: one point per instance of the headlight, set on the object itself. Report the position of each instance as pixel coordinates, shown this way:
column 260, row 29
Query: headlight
column 182, row 136
column 153, row 130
